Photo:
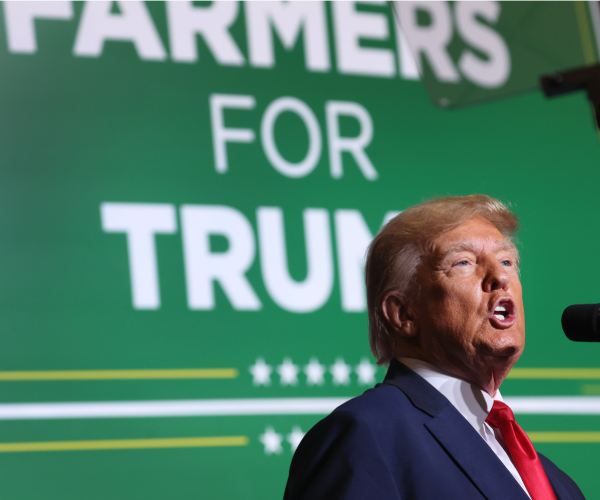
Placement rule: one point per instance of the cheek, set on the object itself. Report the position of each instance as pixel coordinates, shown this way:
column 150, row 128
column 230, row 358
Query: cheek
column 457, row 313
column 463, row 305
column 452, row 307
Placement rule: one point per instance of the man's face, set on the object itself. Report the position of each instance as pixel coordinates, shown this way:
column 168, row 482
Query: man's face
column 469, row 310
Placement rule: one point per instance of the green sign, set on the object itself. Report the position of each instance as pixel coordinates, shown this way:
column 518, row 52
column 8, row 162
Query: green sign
column 474, row 51
column 187, row 191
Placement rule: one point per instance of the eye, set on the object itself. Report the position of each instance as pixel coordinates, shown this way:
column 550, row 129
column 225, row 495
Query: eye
column 506, row 263
column 463, row 263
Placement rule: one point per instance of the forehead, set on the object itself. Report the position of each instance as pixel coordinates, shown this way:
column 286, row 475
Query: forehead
column 476, row 235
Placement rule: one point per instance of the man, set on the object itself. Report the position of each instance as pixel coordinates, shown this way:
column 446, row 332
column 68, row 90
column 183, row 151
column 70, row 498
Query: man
column 446, row 313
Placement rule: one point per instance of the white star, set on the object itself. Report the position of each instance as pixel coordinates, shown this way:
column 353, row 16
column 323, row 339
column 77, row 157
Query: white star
column 295, row 437
column 288, row 372
column 272, row 441
column 366, row 372
column 341, row 372
column 314, row 372
column 261, row 372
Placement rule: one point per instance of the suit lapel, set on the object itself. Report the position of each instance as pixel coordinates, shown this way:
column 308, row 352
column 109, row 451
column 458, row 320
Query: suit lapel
column 559, row 489
column 474, row 456
column 458, row 438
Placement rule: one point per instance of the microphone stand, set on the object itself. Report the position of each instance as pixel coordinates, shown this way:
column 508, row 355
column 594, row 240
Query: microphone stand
column 564, row 82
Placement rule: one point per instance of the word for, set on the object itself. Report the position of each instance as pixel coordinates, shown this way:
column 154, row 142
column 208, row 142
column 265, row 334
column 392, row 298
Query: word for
column 336, row 142
column 352, row 31
column 141, row 222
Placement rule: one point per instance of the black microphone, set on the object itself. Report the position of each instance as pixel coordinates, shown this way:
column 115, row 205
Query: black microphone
column 580, row 322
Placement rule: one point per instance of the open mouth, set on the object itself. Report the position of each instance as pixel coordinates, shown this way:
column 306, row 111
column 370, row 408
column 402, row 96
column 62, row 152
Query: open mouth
column 503, row 314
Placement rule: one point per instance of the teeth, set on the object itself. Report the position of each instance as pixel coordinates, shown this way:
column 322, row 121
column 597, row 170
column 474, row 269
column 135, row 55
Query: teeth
column 500, row 308
column 499, row 316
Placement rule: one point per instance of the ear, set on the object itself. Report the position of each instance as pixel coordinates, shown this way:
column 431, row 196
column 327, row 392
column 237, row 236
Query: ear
column 398, row 315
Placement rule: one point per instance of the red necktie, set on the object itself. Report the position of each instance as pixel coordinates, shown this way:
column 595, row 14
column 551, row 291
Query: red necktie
column 523, row 453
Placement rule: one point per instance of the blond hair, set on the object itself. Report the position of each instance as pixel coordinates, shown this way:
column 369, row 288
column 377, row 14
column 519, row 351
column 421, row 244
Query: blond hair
column 396, row 251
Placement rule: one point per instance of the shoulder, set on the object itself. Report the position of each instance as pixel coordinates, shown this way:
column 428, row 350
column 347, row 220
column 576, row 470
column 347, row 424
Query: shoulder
column 373, row 412
column 376, row 404
column 378, row 411
column 556, row 475
column 349, row 450
column 357, row 419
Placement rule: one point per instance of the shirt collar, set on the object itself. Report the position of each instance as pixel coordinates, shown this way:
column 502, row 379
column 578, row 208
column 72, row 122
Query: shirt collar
column 471, row 401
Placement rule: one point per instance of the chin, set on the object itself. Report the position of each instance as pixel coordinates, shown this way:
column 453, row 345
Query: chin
column 511, row 352
column 508, row 349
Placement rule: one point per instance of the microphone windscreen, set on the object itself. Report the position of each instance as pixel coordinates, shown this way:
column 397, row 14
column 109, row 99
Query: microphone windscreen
column 580, row 322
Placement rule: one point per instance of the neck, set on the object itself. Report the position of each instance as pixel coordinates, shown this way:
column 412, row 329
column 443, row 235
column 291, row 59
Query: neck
column 488, row 375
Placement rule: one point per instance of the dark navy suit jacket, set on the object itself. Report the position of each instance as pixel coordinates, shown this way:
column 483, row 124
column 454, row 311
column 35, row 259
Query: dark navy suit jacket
column 404, row 440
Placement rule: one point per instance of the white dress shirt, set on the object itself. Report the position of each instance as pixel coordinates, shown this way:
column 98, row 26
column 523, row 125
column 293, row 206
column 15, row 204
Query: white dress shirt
column 472, row 402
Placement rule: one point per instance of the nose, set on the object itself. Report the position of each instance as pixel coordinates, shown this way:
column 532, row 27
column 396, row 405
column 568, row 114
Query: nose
column 496, row 277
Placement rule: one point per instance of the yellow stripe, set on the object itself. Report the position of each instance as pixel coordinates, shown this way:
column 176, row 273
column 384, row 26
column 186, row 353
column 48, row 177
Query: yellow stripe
column 120, row 374
column 555, row 373
column 228, row 373
column 584, row 32
column 125, row 444
column 564, row 437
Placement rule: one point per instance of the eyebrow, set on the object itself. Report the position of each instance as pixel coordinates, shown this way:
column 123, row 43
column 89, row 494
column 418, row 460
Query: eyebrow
column 469, row 247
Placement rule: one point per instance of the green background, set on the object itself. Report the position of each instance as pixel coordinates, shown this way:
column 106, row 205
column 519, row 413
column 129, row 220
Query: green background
column 76, row 132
